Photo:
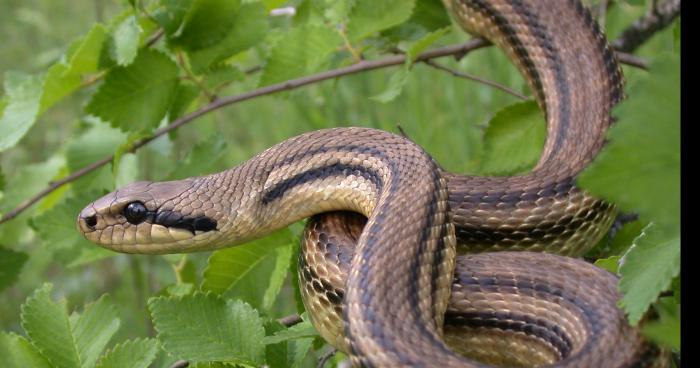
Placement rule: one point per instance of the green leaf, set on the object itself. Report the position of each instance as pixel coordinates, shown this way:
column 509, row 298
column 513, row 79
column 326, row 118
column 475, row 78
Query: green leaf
column 430, row 14
column 46, row 323
column 424, row 42
column 272, row 4
column 85, row 57
column 172, row 14
column 299, row 331
column 28, row 180
column 2, row 178
column 202, row 159
column 289, row 351
column 56, row 227
column 85, row 255
column 124, row 148
column 180, row 289
column 514, row 139
column 184, row 95
column 125, row 41
column 648, row 269
column 371, row 16
column 68, row 342
column 667, row 330
column 275, row 354
column 58, row 84
column 95, row 144
column 620, row 243
column 18, row 352
column 399, row 78
column 639, row 168
column 11, row 263
column 299, row 350
column 676, row 286
column 253, row 272
column 250, row 24
column 300, row 51
column 222, row 75
column 395, row 87
column 137, row 97
column 93, row 329
column 625, row 237
column 186, row 271
column 294, row 273
column 137, row 353
column 206, row 23
column 611, row 263
column 23, row 93
column 207, row 327
column 66, row 76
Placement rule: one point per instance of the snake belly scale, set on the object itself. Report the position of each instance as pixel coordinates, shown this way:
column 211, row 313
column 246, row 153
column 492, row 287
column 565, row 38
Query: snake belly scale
column 383, row 287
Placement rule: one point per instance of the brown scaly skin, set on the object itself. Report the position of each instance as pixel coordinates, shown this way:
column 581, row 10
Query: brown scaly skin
column 504, row 310
column 400, row 276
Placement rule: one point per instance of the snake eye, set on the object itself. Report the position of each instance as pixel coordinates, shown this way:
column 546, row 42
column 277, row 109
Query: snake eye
column 135, row 212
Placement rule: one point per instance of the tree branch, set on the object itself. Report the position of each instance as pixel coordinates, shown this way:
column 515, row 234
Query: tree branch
column 326, row 357
column 289, row 85
column 180, row 364
column 474, row 78
column 290, row 320
column 632, row 60
column 458, row 51
column 660, row 15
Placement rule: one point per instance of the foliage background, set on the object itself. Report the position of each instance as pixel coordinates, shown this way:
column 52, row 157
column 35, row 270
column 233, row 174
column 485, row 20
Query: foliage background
column 450, row 117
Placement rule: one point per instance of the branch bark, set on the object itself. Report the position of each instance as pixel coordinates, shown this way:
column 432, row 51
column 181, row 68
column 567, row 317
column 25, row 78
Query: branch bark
column 290, row 320
column 644, row 27
column 660, row 15
column 474, row 78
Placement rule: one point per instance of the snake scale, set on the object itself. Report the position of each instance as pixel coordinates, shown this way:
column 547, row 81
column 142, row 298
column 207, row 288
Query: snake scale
column 382, row 281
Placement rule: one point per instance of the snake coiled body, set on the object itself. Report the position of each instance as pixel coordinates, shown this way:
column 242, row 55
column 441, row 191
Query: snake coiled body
column 401, row 269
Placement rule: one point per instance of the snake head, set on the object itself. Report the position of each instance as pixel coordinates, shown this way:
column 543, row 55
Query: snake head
column 152, row 218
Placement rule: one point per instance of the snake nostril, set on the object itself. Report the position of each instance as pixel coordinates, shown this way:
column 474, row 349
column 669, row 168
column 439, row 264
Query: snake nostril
column 91, row 221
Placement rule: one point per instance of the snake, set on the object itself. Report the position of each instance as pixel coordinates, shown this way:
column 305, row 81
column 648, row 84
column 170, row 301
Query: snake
column 406, row 264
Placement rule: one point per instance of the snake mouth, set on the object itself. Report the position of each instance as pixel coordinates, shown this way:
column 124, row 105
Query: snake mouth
column 174, row 219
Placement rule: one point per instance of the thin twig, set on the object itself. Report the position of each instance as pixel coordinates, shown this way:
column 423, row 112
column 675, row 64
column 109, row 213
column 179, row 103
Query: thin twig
column 632, row 60
column 180, row 364
column 602, row 13
column 403, row 132
column 193, row 78
column 155, row 37
column 356, row 55
column 326, row 357
column 290, row 320
column 660, row 15
column 474, row 78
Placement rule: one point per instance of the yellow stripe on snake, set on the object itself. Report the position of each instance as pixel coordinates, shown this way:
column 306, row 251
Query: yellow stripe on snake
column 383, row 282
